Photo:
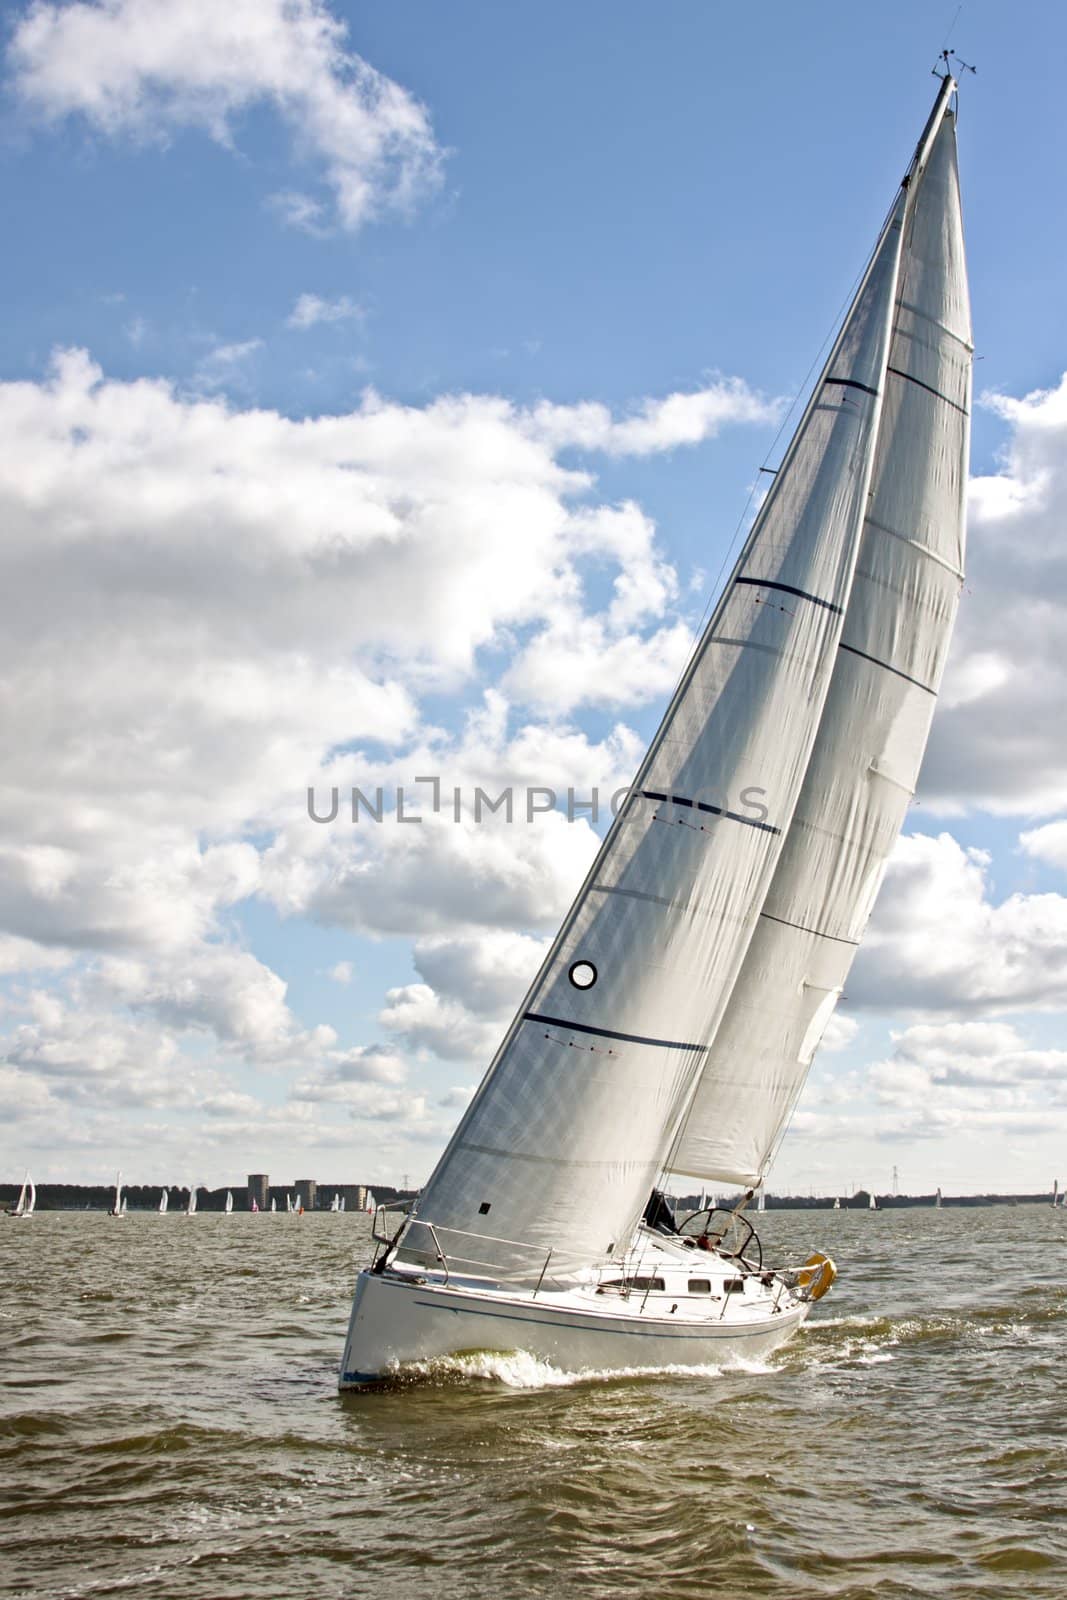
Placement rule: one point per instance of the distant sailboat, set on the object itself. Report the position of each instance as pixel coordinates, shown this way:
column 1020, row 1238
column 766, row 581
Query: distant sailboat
column 122, row 1207
column 255, row 1207
column 342, row 1205
column 872, row 1203
column 761, row 1203
column 229, row 1201
column 335, row 1203
column 1055, row 1193
column 118, row 1208
column 672, row 1023
column 370, row 1205
column 164, row 1202
column 190, row 1210
column 937, row 1200
column 273, row 1203
column 837, row 1204
column 288, row 1202
column 27, row 1200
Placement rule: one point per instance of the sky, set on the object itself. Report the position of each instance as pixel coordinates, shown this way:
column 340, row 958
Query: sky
column 383, row 389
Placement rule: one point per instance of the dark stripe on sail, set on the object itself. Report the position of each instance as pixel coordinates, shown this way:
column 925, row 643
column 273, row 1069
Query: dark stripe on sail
column 929, row 389
column 712, row 811
column 787, row 588
column 925, row 687
column 799, row 926
column 850, row 383
column 609, row 1033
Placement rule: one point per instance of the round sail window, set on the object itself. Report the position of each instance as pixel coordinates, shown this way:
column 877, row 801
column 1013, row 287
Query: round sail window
column 582, row 974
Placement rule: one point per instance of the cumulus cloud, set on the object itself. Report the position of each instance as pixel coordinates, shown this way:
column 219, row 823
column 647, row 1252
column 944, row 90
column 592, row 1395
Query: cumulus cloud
column 960, row 1077
column 939, row 942
column 996, row 741
column 148, row 68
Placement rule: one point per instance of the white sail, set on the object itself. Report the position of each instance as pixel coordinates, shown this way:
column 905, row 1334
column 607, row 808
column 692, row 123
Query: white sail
column 288, row 1202
column 837, row 1203
column 31, row 1200
column 273, row 1203
column 564, row 1139
column 229, row 1201
column 20, row 1204
column 122, row 1207
column 872, row 1203
column 342, row 1205
column 190, row 1209
column 164, row 1201
column 937, row 1200
column 866, row 758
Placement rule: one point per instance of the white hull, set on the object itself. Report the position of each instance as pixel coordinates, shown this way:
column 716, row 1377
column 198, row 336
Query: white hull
column 398, row 1319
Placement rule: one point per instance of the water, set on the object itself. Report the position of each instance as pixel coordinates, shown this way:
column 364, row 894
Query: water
column 170, row 1428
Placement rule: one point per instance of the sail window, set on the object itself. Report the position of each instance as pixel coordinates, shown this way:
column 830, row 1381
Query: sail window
column 483, row 1209
column 582, row 974
column 734, row 1285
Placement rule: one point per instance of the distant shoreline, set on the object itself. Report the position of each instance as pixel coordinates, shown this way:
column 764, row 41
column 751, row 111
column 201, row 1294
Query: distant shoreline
column 145, row 1197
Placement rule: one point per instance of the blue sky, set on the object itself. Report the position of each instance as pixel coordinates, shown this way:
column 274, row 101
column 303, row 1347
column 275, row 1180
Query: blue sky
column 565, row 205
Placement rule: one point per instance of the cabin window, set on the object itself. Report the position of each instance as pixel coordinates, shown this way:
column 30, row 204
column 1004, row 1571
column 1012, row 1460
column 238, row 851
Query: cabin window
column 647, row 1283
column 582, row 974
column 483, row 1209
column 734, row 1286
column 700, row 1286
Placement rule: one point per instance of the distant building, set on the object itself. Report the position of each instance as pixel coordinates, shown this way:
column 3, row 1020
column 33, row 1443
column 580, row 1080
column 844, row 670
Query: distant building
column 259, row 1190
column 307, row 1192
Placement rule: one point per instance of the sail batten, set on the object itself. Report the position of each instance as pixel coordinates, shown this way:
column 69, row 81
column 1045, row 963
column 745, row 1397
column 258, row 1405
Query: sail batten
column 866, row 756
column 600, row 1062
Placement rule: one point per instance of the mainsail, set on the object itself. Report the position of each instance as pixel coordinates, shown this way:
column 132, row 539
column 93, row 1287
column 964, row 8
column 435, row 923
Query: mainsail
column 576, row 1115
column 866, row 758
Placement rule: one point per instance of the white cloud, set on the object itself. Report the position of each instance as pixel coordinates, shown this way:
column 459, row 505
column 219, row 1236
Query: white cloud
column 311, row 309
column 938, row 942
column 1047, row 843
column 996, row 741
column 151, row 67
column 655, row 425
column 341, row 972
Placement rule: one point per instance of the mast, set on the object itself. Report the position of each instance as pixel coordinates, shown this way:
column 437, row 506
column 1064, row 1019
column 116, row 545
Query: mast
column 563, row 1140
column 866, row 757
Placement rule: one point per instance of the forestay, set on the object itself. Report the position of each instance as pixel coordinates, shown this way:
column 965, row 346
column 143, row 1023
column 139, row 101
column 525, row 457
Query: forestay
column 564, row 1139
column 866, row 758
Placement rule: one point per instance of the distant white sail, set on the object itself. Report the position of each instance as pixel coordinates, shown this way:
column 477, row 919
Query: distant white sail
column 117, row 1207
column 872, row 1203
column 229, row 1201
column 837, row 1203
column 937, row 1200
column 564, row 1139
column 164, row 1201
column 190, row 1209
column 866, row 758
column 342, row 1205
column 27, row 1200
column 288, row 1202
column 273, row 1203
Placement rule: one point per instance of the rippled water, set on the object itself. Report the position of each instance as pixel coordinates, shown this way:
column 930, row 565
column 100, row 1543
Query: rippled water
column 170, row 1427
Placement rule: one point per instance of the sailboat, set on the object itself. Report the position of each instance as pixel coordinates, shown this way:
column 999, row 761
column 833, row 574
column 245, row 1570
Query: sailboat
column 1055, row 1193
column 837, row 1203
column 872, row 1203
column 672, row 1024
column 27, row 1200
column 370, row 1204
column 273, row 1203
column 190, row 1210
column 761, row 1202
column 342, row 1205
column 255, row 1207
column 118, row 1204
column 288, row 1202
column 937, row 1200
column 164, row 1202
column 229, row 1202
column 335, row 1203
